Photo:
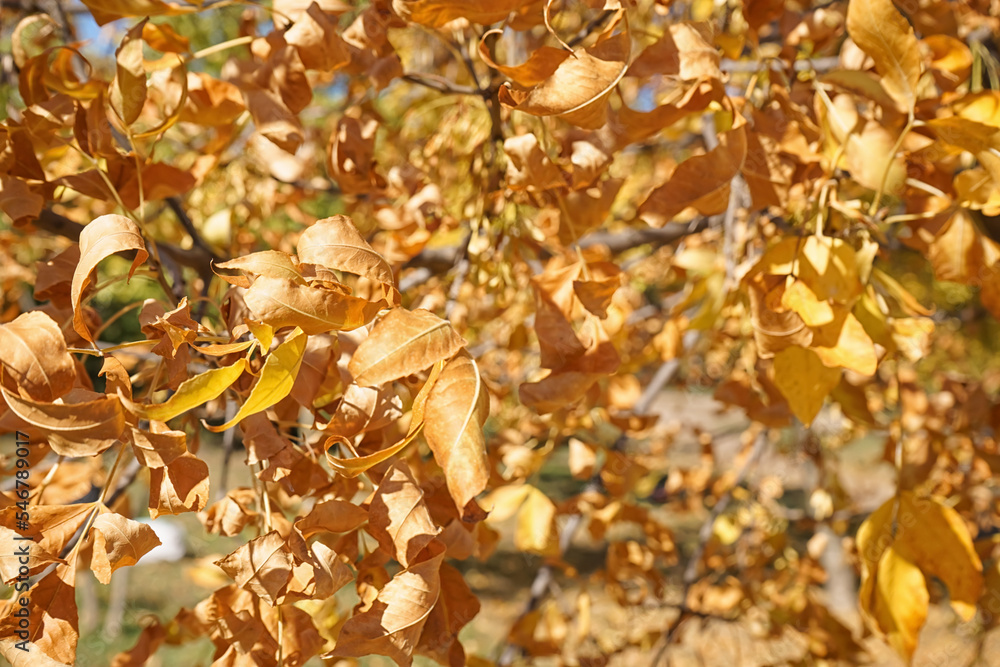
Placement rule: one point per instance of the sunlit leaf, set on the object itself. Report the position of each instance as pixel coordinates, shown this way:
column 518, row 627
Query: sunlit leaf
column 275, row 381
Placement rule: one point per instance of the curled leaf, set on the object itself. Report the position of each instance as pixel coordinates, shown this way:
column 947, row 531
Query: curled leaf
column 103, row 237
column 81, row 423
column 457, row 408
column 579, row 87
column 33, row 352
column 119, row 542
column 337, row 244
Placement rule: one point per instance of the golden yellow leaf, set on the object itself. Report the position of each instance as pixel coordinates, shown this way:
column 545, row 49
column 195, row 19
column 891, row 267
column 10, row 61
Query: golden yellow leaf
column 845, row 343
column 275, row 382
column 798, row 297
column 536, row 525
column 192, row 393
column 356, row 466
column 878, row 28
column 804, row 380
column 905, row 539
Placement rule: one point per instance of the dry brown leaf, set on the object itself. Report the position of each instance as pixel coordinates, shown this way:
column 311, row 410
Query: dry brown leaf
column 128, row 90
column 119, row 542
column 103, row 237
column 316, row 37
column 685, row 51
column 331, row 516
column 351, row 156
column 315, row 308
column 33, row 352
column 456, row 607
column 529, row 168
column 80, row 423
column 54, row 623
column 539, row 66
column 457, row 409
column 106, row 11
column 579, row 87
column 403, row 343
column 436, row 13
column 229, row 516
column 181, row 486
column 337, row 244
column 398, row 516
column 393, row 624
column 158, row 449
column 262, row 566
column 701, row 182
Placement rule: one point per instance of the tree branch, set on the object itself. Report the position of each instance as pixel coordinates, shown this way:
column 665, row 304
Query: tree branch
column 194, row 258
column 442, row 85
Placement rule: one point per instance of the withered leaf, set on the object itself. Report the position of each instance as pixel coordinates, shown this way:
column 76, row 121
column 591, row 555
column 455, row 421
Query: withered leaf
column 119, row 542
column 398, row 516
column 53, row 619
column 263, row 566
column 579, row 87
column 80, row 423
column 403, row 343
column 331, row 516
column 33, row 352
column 337, row 244
column 280, row 302
column 181, row 486
column 456, row 410
column 436, row 13
column 128, row 90
column 103, row 237
column 701, row 182
column 393, row 624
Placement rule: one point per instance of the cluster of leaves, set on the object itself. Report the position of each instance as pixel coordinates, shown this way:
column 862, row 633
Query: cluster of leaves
column 716, row 188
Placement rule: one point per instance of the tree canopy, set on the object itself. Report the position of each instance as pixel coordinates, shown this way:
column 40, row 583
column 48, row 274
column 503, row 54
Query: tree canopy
column 429, row 268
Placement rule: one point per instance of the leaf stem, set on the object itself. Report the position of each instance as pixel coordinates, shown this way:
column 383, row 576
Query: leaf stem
column 877, row 202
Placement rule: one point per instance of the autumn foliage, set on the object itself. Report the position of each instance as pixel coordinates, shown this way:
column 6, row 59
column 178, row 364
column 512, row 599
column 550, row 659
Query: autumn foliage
column 412, row 259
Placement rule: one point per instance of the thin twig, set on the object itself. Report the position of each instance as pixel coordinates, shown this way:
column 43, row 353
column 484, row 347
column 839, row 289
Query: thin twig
column 440, row 84
column 803, row 65
column 196, row 239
